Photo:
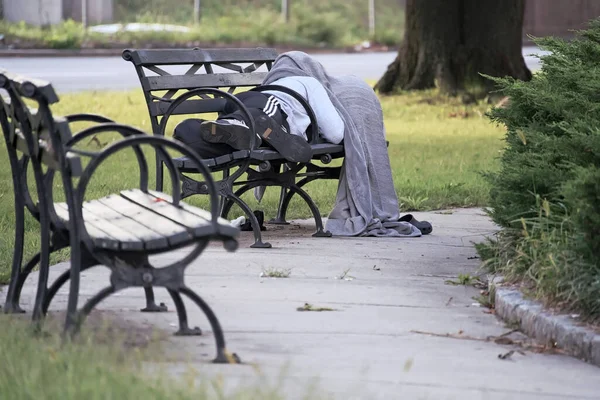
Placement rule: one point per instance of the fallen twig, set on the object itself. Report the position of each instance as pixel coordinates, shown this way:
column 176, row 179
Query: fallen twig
column 501, row 340
column 458, row 335
column 310, row 307
column 95, row 140
column 509, row 333
column 506, row 356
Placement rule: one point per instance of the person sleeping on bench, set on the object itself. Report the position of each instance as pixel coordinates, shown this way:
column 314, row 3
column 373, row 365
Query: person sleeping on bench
column 280, row 121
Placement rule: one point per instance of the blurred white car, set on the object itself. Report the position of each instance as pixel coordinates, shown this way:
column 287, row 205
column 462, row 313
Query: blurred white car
column 137, row 27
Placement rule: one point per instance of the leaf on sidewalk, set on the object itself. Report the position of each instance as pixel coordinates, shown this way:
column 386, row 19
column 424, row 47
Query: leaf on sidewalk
column 506, row 356
column 310, row 307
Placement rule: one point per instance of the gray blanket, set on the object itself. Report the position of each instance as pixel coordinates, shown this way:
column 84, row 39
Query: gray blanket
column 366, row 202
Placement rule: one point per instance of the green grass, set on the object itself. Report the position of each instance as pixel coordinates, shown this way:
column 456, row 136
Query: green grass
column 438, row 151
column 39, row 367
column 462, row 280
column 99, row 367
column 273, row 272
column 436, row 156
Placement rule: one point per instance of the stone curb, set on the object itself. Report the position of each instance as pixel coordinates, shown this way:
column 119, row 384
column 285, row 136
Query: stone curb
column 545, row 327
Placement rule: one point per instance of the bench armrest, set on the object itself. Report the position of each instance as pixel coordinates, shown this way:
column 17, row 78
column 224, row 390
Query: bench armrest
column 87, row 118
column 313, row 135
column 128, row 131
column 102, row 127
column 123, row 130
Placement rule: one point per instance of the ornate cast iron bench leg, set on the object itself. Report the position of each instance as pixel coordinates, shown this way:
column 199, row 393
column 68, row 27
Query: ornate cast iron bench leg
column 184, row 328
column 13, row 297
column 223, row 357
column 151, row 305
column 11, row 305
column 291, row 190
column 234, row 198
column 321, row 232
column 191, row 187
column 281, row 207
column 140, row 273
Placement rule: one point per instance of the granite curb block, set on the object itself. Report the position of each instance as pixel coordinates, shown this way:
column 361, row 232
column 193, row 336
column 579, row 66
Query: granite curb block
column 561, row 330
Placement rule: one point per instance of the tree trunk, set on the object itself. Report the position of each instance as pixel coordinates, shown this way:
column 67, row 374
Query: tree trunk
column 448, row 43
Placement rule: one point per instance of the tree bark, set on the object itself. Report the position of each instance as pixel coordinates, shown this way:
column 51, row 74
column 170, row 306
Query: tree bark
column 448, row 43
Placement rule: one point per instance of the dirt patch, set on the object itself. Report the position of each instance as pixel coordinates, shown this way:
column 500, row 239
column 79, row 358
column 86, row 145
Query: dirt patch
column 108, row 328
column 278, row 234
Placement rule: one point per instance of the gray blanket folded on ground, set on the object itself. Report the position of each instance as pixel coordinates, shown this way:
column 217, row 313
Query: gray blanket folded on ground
column 366, row 202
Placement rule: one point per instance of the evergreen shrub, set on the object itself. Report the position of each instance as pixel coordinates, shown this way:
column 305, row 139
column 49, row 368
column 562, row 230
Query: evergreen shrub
column 546, row 195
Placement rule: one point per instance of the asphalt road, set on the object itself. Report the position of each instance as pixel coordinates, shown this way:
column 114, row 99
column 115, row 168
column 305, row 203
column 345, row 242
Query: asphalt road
column 70, row 74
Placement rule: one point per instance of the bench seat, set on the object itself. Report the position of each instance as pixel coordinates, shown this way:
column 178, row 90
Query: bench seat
column 317, row 151
column 138, row 221
column 261, row 154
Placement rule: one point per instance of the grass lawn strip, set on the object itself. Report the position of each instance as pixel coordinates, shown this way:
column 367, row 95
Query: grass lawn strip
column 438, row 148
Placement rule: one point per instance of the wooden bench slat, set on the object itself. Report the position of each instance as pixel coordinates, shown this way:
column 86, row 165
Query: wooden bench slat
column 165, row 209
column 158, row 108
column 186, row 163
column 151, row 83
column 197, row 219
column 146, row 224
column 130, row 233
column 225, row 158
column 240, row 154
column 267, row 154
column 327, row 148
column 194, row 210
column 195, row 56
column 101, row 238
column 124, row 231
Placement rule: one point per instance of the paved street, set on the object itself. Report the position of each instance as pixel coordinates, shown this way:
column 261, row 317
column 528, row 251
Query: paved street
column 385, row 338
column 113, row 73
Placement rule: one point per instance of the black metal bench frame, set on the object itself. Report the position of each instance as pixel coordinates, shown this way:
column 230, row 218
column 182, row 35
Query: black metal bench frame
column 36, row 138
column 202, row 94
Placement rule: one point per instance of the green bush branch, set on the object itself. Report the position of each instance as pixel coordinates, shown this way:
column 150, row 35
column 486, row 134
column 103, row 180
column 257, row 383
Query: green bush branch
column 546, row 194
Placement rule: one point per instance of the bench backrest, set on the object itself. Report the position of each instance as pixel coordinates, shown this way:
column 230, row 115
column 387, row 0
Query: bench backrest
column 165, row 73
column 34, row 131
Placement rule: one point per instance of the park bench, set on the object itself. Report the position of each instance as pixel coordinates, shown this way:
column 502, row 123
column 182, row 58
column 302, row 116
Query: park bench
column 199, row 82
column 119, row 231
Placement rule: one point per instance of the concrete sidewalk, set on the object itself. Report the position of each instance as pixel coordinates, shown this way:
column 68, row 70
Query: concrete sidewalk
column 375, row 345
